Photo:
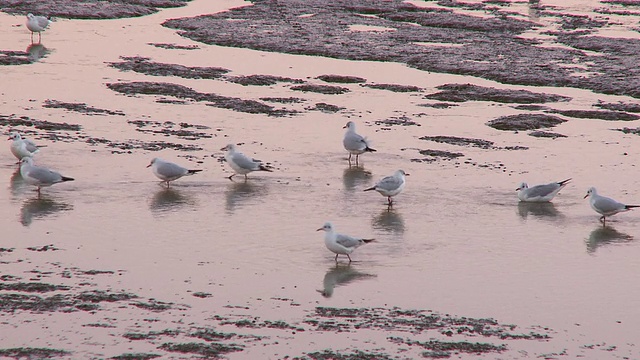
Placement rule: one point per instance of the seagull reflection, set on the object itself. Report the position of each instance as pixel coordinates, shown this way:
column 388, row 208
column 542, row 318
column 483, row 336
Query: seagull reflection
column 390, row 221
column 37, row 51
column 17, row 184
column 539, row 210
column 354, row 177
column 340, row 275
column 169, row 199
column 242, row 192
column 40, row 207
column 605, row 235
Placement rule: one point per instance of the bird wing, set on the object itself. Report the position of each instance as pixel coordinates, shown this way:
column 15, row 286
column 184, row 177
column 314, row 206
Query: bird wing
column 353, row 141
column 606, row 204
column 245, row 162
column 347, row 241
column 542, row 190
column 43, row 22
column 389, row 183
column 168, row 169
column 44, row 175
column 30, row 145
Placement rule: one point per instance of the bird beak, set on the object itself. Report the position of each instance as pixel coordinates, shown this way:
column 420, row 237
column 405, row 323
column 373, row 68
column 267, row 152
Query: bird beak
column 224, row 148
column 586, row 196
column 320, row 229
column 344, row 127
column 405, row 174
column 518, row 189
column 149, row 165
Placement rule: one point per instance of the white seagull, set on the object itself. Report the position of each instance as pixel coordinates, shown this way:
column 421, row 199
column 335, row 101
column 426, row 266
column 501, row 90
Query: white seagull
column 168, row 171
column 40, row 176
column 21, row 148
column 240, row 163
column 390, row 185
column 37, row 24
column 606, row 206
column 355, row 144
column 341, row 244
column 540, row 193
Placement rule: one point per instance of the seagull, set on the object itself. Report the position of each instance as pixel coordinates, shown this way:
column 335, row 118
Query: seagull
column 240, row 163
column 341, row 244
column 355, row 144
column 606, row 206
column 39, row 176
column 540, row 193
column 21, row 148
column 390, row 185
column 37, row 24
column 168, row 171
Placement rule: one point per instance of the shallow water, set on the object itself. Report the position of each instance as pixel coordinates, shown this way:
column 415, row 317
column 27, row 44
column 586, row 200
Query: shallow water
column 456, row 241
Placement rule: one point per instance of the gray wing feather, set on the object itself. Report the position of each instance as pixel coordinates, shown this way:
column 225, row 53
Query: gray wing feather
column 43, row 22
column 245, row 162
column 171, row 170
column 30, row 145
column 606, row 204
column 354, row 141
column 389, row 183
column 542, row 190
column 44, row 175
column 347, row 241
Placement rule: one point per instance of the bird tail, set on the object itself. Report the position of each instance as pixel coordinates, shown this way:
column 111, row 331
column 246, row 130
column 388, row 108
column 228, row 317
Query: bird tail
column 371, row 188
column 629, row 207
column 366, row 241
column 564, row 182
column 264, row 168
column 368, row 149
column 191, row 172
column 64, row 178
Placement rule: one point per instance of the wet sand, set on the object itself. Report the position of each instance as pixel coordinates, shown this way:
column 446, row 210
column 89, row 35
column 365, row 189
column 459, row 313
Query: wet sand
column 213, row 267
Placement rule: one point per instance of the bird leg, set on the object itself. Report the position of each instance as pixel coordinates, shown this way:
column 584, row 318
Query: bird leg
column 349, row 258
column 357, row 157
column 336, row 257
column 349, row 159
column 245, row 177
column 232, row 175
column 390, row 202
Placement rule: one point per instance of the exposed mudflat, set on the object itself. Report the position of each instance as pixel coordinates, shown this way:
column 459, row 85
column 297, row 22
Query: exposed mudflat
column 488, row 47
column 117, row 265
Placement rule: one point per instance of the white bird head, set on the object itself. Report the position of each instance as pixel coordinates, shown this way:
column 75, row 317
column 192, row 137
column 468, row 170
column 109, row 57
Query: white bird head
column 153, row 161
column 26, row 160
column 523, row 185
column 350, row 125
column 15, row 136
column 326, row 227
column 591, row 191
column 30, row 16
column 401, row 173
column 230, row 147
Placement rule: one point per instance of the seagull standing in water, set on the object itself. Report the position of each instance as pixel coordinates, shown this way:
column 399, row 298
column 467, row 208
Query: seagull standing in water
column 37, row 24
column 540, row 193
column 355, row 144
column 390, row 185
column 21, row 148
column 168, row 171
column 341, row 244
column 40, row 176
column 606, row 206
column 240, row 163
